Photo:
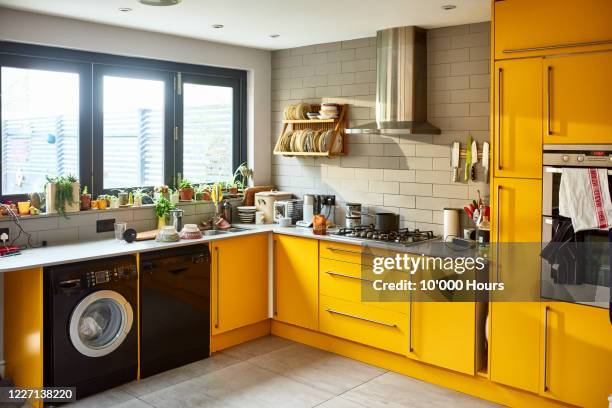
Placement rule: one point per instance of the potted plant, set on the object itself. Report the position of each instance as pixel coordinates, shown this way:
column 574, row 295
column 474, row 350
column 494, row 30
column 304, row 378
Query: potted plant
column 62, row 194
column 233, row 188
column 163, row 206
column 162, row 191
column 185, row 190
column 123, row 197
column 85, row 199
column 242, row 175
column 139, row 193
column 202, row 193
column 103, row 202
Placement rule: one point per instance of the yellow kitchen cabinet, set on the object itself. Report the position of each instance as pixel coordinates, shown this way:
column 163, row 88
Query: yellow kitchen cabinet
column 550, row 26
column 514, row 340
column 517, row 142
column 577, row 354
column 577, row 100
column 296, row 281
column 239, row 282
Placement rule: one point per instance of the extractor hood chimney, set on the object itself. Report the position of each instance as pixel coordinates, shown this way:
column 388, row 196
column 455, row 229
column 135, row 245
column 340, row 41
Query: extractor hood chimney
column 401, row 84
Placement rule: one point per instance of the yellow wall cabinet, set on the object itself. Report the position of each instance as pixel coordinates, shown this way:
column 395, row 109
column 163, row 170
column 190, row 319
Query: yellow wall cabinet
column 239, row 282
column 550, row 26
column 296, row 281
column 516, row 211
column 577, row 354
column 518, row 118
column 577, row 98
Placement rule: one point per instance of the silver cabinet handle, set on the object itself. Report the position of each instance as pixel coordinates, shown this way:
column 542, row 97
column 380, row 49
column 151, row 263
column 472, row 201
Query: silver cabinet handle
column 348, row 251
column 360, row 318
column 554, row 47
column 274, row 300
column 332, row 273
column 498, row 224
column 217, row 286
column 558, row 170
column 410, row 348
column 546, row 309
column 549, row 101
column 499, row 117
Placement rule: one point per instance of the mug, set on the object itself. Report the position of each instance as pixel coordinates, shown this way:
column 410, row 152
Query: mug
column 24, row 207
column 94, row 204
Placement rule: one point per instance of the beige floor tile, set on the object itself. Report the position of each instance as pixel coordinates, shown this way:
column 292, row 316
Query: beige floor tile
column 257, row 347
column 339, row 402
column 240, row 385
column 177, row 375
column 114, row 398
column 393, row 390
column 318, row 368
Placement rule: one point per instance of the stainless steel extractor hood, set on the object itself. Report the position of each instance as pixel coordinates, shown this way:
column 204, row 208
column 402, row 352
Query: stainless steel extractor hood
column 401, row 84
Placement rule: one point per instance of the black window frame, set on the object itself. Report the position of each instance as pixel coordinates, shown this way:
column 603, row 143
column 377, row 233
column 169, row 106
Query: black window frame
column 90, row 154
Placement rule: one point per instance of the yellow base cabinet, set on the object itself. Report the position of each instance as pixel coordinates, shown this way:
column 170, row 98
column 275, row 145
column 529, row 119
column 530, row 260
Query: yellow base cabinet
column 549, row 26
column 516, row 211
column 577, row 98
column 239, row 282
column 517, row 117
column 296, row 281
column 576, row 354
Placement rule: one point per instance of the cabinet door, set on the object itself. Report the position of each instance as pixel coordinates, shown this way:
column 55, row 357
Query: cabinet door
column 577, row 99
column 239, row 282
column 515, row 325
column 521, row 24
column 296, row 281
column 517, row 143
column 577, row 354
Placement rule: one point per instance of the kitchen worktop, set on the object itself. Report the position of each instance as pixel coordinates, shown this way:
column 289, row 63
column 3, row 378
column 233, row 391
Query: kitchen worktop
column 83, row 251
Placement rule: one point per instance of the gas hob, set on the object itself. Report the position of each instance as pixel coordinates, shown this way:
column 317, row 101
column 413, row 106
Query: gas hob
column 403, row 236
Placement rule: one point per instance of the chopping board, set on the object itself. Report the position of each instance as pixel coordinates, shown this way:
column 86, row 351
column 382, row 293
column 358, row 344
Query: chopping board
column 146, row 235
column 249, row 193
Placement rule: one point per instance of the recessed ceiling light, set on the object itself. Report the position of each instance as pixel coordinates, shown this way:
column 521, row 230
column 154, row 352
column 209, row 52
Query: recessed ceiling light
column 447, row 7
column 274, row 35
column 217, row 26
column 160, row 2
column 125, row 9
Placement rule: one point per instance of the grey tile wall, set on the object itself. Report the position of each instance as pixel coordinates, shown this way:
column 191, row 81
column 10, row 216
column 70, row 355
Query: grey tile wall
column 409, row 175
column 81, row 226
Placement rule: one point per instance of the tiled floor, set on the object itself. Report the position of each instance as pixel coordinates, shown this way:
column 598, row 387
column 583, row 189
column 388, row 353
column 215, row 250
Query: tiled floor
column 274, row 372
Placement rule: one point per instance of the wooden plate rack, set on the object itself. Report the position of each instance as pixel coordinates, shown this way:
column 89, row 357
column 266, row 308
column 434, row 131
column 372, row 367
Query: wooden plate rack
column 338, row 125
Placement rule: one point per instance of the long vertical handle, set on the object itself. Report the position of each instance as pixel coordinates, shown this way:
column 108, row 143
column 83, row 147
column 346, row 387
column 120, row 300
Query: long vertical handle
column 497, row 225
column 274, row 303
column 546, row 309
column 549, row 101
column 217, row 286
column 410, row 348
column 499, row 118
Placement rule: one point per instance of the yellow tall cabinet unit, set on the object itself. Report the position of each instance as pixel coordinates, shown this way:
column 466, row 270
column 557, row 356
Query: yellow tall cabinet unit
column 239, row 284
column 296, row 281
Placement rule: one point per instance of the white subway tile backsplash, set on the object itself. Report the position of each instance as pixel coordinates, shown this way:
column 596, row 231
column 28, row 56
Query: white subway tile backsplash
column 409, row 175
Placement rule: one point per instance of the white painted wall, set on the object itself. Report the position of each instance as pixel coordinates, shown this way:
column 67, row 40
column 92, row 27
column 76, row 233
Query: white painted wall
column 49, row 30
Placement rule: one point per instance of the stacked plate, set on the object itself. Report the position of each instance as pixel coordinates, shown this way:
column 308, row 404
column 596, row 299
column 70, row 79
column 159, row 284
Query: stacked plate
column 246, row 213
column 309, row 140
column 297, row 111
column 328, row 111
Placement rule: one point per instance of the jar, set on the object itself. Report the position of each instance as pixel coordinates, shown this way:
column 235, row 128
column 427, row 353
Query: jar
column 319, row 224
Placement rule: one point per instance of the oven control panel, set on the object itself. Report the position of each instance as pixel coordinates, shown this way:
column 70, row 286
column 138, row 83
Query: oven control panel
column 579, row 158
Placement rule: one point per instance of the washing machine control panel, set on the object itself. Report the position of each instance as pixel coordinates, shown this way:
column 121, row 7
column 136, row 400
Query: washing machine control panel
column 114, row 274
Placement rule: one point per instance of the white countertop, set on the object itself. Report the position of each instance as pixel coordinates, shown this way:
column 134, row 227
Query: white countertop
column 84, row 251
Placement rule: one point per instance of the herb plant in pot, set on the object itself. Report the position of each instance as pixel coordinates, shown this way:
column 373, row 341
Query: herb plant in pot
column 85, row 199
column 185, row 190
column 202, row 193
column 123, row 197
column 62, row 194
column 162, row 209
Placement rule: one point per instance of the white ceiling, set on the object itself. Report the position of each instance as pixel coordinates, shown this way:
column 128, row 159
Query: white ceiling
column 250, row 22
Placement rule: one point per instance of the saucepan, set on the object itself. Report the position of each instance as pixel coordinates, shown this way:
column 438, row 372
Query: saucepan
column 386, row 221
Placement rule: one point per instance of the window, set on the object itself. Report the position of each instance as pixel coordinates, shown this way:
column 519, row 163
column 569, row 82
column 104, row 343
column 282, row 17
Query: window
column 133, row 132
column 207, row 132
column 115, row 122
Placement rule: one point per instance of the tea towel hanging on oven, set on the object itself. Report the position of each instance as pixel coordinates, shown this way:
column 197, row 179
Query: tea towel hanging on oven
column 584, row 196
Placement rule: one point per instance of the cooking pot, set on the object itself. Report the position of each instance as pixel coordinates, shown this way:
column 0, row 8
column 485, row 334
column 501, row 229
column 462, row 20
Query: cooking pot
column 386, row 222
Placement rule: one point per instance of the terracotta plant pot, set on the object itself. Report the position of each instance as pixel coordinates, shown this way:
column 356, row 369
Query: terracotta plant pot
column 204, row 196
column 85, row 202
column 186, row 194
column 233, row 190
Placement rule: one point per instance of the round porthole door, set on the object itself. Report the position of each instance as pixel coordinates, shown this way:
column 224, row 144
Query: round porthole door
column 100, row 323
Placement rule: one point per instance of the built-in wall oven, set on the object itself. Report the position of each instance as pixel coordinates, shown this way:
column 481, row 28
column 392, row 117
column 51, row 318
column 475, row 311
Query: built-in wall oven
column 588, row 281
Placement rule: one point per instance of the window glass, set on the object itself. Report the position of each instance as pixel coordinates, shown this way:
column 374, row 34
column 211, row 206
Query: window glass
column 207, row 133
column 133, row 131
column 40, row 127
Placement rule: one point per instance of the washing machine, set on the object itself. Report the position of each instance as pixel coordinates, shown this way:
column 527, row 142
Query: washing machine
column 90, row 324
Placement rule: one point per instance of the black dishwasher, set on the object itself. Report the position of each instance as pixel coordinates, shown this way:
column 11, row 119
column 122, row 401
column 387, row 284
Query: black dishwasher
column 174, row 308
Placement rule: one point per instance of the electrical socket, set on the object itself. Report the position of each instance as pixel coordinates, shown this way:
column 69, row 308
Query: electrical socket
column 328, row 200
column 7, row 232
column 105, row 225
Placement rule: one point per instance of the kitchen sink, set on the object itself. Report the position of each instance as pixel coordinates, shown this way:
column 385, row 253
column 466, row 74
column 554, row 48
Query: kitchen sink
column 214, row 232
column 236, row 229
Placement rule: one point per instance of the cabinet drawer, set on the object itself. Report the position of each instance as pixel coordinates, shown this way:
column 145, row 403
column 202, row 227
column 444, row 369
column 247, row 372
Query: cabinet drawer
column 347, row 281
column 368, row 325
column 341, row 252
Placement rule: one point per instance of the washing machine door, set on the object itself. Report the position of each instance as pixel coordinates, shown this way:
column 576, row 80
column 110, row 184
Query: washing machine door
column 100, row 323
